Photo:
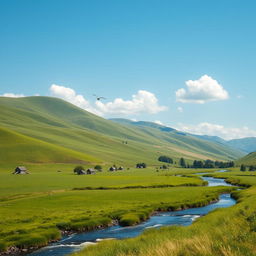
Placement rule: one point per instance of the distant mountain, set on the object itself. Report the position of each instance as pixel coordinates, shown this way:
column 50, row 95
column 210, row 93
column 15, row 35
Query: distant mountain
column 142, row 123
column 211, row 138
column 45, row 129
column 247, row 145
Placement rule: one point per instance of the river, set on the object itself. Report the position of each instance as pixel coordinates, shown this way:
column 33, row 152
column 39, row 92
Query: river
column 76, row 242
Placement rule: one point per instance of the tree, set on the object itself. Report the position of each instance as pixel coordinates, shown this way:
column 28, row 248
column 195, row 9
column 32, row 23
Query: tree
column 182, row 163
column 98, row 167
column 141, row 165
column 252, row 168
column 165, row 159
column 243, row 168
column 78, row 168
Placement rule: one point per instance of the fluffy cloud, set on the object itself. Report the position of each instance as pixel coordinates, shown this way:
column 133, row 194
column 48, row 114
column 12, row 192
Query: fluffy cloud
column 218, row 130
column 202, row 90
column 142, row 102
column 71, row 96
column 12, row 95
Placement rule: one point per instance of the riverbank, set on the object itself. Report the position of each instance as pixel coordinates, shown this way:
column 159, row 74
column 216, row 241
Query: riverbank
column 129, row 218
column 232, row 230
column 182, row 208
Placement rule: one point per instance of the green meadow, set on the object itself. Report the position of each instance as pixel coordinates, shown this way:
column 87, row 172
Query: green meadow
column 226, row 232
column 35, row 208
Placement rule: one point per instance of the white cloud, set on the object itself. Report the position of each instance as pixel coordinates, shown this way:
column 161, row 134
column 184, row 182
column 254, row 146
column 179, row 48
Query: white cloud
column 71, row 96
column 142, row 102
column 180, row 109
column 12, row 95
column 218, row 130
column 158, row 122
column 201, row 91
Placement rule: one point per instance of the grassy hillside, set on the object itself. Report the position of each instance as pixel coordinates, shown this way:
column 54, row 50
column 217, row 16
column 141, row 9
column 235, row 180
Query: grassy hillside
column 16, row 148
column 249, row 159
column 83, row 136
column 183, row 140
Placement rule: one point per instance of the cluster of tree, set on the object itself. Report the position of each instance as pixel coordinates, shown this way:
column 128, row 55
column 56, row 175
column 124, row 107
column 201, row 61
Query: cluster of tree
column 78, row 168
column 206, row 164
column 251, row 168
column 81, row 168
column 165, row 159
column 212, row 164
column 141, row 165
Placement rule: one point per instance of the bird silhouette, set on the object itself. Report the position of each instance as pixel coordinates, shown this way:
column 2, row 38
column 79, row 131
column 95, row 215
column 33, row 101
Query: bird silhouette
column 99, row 97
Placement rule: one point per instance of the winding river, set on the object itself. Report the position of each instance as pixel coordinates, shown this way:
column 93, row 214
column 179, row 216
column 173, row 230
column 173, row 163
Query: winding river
column 76, row 242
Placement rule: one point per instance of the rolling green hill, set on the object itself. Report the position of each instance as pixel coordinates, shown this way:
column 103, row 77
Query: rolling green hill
column 184, row 140
column 52, row 130
column 247, row 160
column 15, row 148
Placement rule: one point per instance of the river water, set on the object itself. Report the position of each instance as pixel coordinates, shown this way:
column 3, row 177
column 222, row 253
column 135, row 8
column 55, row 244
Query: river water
column 76, row 242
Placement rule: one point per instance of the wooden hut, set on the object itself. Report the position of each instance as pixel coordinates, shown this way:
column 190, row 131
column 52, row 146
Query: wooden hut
column 20, row 170
column 90, row 171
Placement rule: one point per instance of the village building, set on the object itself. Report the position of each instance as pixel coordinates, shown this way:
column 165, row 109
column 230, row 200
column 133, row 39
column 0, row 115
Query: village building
column 20, row 170
column 90, row 171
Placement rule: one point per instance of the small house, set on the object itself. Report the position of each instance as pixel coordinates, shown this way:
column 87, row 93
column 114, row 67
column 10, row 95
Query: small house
column 80, row 172
column 112, row 169
column 20, row 170
column 90, row 171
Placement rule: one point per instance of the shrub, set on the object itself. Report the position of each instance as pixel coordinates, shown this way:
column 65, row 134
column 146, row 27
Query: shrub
column 98, row 167
column 3, row 246
column 141, row 165
column 165, row 159
column 129, row 219
column 78, row 168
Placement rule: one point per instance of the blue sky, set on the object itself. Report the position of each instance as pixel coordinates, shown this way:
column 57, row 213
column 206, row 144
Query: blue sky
column 145, row 48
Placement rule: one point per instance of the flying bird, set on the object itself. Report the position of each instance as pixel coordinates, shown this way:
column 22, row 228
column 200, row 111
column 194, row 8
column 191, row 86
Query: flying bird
column 99, row 97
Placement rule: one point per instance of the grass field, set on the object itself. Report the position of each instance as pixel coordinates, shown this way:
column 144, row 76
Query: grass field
column 35, row 207
column 224, row 232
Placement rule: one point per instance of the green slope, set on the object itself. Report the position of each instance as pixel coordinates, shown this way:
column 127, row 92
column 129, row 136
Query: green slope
column 17, row 148
column 62, row 124
column 184, row 140
column 247, row 160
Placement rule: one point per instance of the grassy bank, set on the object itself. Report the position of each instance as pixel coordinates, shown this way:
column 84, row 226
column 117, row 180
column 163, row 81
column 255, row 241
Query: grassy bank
column 224, row 232
column 35, row 208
